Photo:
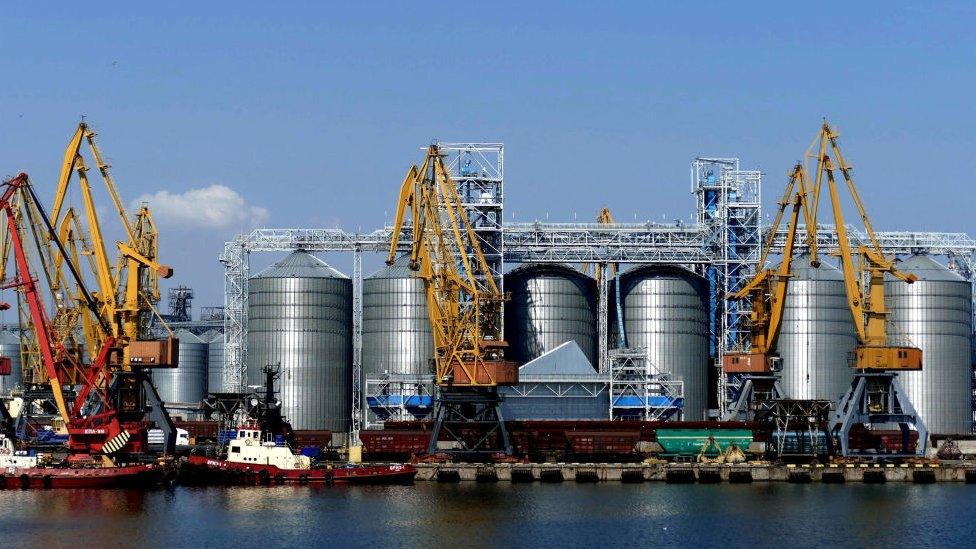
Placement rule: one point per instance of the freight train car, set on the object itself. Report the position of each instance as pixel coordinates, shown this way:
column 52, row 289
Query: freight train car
column 581, row 441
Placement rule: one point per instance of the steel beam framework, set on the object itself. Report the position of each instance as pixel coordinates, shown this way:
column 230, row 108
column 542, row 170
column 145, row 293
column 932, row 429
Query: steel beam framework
column 722, row 241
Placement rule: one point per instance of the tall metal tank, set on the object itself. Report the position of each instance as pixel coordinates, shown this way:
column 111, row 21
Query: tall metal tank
column 10, row 347
column 817, row 334
column 549, row 305
column 397, row 337
column 935, row 314
column 300, row 316
column 665, row 309
column 188, row 381
column 215, row 361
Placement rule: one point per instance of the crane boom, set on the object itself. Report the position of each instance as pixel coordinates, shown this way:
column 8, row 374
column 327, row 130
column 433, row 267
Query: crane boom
column 127, row 290
column 866, row 300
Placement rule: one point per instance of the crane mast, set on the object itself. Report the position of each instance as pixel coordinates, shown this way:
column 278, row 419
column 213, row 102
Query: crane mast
column 463, row 302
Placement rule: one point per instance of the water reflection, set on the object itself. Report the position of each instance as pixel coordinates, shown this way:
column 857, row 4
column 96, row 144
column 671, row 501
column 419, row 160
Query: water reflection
column 489, row 515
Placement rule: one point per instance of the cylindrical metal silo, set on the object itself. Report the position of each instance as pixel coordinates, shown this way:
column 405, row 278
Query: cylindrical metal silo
column 300, row 316
column 10, row 348
column 665, row 310
column 187, row 383
column 549, row 305
column 935, row 314
column 215, row 362
column 397, row 337
column 817, row 334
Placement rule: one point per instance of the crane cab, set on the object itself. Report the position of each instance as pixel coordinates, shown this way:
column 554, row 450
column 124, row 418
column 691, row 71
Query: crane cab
column 888, row 358
column 751, row 363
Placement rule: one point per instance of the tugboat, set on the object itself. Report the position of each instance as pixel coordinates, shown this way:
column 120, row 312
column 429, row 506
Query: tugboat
column 255, row 457
column 259, row 453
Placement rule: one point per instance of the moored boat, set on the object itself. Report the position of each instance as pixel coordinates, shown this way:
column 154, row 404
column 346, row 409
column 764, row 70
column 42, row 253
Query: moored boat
column 396, row 473
column 145, row 475
column 255, row 457
column 20, row 470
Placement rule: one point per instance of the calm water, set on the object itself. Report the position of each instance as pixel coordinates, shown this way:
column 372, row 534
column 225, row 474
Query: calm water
column 496, row 515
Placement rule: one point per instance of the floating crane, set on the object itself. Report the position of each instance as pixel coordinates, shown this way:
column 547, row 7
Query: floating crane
column 108, row 415
column 464, row 306
column 876, row 395
column 766, row 293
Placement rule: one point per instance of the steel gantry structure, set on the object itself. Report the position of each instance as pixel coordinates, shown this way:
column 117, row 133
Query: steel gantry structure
column 724, row 245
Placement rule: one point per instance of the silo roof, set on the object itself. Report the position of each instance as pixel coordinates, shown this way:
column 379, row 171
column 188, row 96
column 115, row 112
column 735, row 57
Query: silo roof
column 300, row 264
column 539, row 269
column 187, row 336
column 212, row 335
column 926, row 268
column 802, row 270
column 399, row 269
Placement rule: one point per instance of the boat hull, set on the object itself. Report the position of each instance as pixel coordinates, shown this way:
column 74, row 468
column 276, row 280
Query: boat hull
column 376, row 474
column 202, row 471
column 198, row 470
column 133, row 476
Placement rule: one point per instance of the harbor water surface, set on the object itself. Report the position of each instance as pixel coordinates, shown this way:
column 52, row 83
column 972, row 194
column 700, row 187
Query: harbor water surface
column 585, row 515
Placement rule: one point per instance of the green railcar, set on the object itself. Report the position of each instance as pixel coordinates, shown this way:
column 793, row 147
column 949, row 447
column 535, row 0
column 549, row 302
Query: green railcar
column 689, row 442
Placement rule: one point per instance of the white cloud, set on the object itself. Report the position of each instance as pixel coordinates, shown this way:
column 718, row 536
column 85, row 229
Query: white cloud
column 212, row 207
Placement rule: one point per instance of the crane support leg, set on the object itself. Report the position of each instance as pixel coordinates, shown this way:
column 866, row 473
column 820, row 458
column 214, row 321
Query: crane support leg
column 473, row 421
column 754, row 391
column 877, row 399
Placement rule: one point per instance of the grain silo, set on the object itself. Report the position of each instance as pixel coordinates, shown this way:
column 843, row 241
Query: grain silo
column 935, row 314
column 215, row 361
column 665, row 310
column 300, row 317
column 817, row 335
column 10, row 348
column 397, row 337
column 548, row 306
column 187, row 383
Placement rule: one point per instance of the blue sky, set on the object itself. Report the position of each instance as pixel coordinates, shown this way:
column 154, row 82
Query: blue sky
column 308, row 114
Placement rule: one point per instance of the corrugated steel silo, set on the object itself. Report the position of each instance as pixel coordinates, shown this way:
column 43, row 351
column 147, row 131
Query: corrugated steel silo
column 935, row 314
column 665, row 309
column 188, row 381
column 300, row 316
column 817, row 335
column 10, row 347
column 215, row 361
column 397, row 337
column 549, row 305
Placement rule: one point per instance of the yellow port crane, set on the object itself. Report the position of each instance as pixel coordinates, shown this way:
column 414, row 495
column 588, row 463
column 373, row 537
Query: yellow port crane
column 875, row 395
column 463, row 302
column 127, row 292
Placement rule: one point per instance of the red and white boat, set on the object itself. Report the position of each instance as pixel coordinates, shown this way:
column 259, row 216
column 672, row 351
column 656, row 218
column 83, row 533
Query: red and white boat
column 144, row 475
column 19, row 470
column 256, row 458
